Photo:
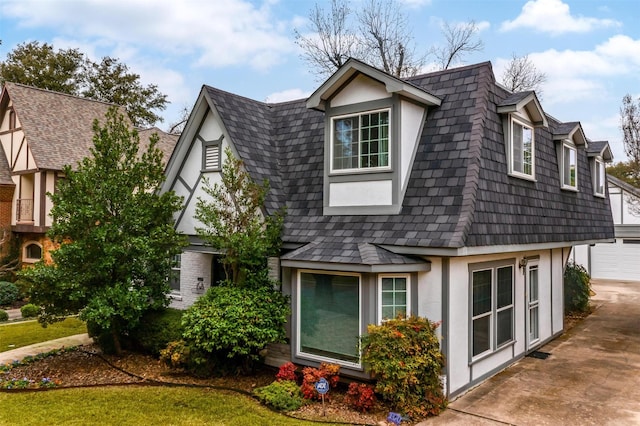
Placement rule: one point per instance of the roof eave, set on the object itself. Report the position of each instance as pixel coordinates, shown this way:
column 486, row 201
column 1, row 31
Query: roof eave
column 532, row 106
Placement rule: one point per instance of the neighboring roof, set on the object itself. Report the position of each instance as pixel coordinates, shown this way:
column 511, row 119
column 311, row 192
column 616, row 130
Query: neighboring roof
column 459, row 192
column 624, row 185
column 600, row 148
column 59, row 127
column 166, row 141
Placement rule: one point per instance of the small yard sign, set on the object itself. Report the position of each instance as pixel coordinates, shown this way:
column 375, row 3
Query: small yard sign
column 394, row 418
column 322, row 386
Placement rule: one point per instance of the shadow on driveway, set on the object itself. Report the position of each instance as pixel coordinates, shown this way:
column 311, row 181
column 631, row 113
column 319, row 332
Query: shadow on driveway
column 592, row 376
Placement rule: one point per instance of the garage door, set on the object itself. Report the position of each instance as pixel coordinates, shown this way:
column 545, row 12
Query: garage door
column 616, row 261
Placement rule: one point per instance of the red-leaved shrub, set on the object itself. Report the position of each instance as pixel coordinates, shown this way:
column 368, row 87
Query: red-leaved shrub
column 360, row 397
column 311, row 375
column 287, row 371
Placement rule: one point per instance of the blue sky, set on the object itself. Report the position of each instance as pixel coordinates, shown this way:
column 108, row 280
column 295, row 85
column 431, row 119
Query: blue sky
column 590, row 50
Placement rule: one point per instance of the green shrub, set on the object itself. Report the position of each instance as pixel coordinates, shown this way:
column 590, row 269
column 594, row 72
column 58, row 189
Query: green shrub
column 405, row 359
column 8, row 293
column 4, row 316
column 235, row 324
column 24, row 288
column 156, row 329
column 577, row 288
column 282, row 395
column 29, row 310
column 101, row 337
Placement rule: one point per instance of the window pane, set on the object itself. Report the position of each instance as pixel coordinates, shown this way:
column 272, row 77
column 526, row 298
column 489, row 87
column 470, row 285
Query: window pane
column 505, row 286
column 345, row 143
column 374, row 140
column 504, row 326
column 481, row 292
column 533, row 284
column 481, row 335
column 329, row 316
column 517, row 147
column 394, row 297
column 533, row 324
column 387, row 284
column 527, row 148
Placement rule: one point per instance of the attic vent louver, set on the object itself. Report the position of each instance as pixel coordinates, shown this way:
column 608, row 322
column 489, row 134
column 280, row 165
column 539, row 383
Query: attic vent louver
column 212, row 157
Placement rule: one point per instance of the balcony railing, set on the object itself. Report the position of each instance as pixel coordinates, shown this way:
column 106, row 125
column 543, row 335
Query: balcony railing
column 24, row 210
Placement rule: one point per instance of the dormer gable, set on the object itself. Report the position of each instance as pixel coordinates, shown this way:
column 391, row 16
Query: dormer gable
column 599, row 153
column 568, row 138
column 373, row 122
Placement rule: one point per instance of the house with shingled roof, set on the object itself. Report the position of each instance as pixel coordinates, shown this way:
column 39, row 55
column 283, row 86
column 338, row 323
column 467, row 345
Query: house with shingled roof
column 40, row 132
column 441, row 195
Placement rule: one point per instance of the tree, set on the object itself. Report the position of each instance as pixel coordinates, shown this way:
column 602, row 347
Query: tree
column 114, row 233
column 521, row 74
column 630, row 126
column 378, row 35
column 234, row 223
column 70, row 71
column 460, row 40
column 625, row 171
column 38, row 65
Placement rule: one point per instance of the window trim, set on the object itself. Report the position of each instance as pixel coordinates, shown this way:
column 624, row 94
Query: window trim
column 359, row 169
column 511, row 160
column 494, row 347
column 318, row 358
column 179, row 271
column 567, row 144
column 597, row 177
column 407, row 277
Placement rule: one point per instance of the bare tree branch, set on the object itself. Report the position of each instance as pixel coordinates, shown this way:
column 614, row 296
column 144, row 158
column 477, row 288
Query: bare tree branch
column 521, row 74
column 461, row 40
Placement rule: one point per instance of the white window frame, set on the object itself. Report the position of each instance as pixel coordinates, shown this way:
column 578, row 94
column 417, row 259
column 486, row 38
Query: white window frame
column 359, row 154
column 298, row 350
column 494, row 346
column 407, row 279
column 570, row 147
column 512, row 151
column 599, row 178
column 176, row 267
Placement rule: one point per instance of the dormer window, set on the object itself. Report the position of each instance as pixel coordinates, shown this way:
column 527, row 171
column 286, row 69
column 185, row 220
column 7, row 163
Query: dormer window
column 569, row 166
column 522, row 149
column 360, row 141
column 598, row 178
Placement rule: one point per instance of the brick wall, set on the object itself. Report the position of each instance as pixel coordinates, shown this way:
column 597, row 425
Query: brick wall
column 195, row 268
column 6, row 206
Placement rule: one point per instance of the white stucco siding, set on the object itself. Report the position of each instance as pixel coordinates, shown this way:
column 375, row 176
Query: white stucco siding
column 361, row 89
column 430, row 292
column 368, row 193
column 411, row 123
column 212, row 128
column 558, row 263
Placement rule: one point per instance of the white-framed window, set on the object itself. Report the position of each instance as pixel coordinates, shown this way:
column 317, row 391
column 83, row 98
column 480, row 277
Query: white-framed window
column 32, row 252
column 361, row 141
column 492, row 307
column 328, row 317
column 394, row 296
column 522, row 159
column 569, row 167
column 174, row 279
column 599, row 178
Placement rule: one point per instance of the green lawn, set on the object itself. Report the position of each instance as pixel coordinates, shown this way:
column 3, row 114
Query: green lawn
column 133, row 405
column 21, row 334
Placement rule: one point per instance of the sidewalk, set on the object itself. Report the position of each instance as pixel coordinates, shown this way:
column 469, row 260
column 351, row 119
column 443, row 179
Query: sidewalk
column 38, row 348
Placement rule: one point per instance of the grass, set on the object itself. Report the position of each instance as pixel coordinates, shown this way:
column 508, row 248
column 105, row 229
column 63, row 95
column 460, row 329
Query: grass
column 21, row 334
column 133, row 405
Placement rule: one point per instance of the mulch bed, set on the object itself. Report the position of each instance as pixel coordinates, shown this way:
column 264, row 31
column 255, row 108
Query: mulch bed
column 86, row 366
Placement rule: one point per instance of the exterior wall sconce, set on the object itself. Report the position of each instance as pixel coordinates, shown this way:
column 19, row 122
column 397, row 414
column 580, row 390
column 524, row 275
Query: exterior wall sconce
column 523, row 263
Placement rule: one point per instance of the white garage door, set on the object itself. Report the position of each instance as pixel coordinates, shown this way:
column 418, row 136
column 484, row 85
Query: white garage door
column 616, row 261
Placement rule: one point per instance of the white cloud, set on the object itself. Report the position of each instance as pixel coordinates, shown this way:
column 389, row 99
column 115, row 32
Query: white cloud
column 287, row 95
column 554, row 17
column 415, row 3
column 217, row 34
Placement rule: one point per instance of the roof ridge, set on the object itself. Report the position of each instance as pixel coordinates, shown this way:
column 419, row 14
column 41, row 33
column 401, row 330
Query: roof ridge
column 470, row 190
column 53, row 92
column 235, row 95
column 450, row 70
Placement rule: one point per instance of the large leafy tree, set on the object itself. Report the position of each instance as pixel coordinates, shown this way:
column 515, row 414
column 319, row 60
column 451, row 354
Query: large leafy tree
column 115, row 235
column 70, row 71
column 235, row 224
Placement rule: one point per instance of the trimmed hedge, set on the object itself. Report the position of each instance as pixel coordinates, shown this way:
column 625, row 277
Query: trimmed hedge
column 8, row 293
column 4, row 316
column 29, row 310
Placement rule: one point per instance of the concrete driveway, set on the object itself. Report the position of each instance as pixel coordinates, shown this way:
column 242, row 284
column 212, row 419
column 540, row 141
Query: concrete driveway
column 592, row 376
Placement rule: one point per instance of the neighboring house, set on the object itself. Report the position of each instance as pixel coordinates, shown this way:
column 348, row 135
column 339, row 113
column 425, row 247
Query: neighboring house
column 621, row 260
column 41, row 132
column 441, row 195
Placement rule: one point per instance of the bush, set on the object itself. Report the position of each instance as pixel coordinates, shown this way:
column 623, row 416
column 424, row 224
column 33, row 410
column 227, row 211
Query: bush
column 577, row 288
column 405, row 359
column 236, row 323
column 287, row 371
column 4, row 316
column 8, row 293
column 361, row 397
column 29, row 310
column 156, row 329
column 282, row 395
column 311, row 375
column 101, row 337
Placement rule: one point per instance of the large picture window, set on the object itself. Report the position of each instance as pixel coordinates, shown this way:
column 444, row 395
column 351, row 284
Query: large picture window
column 569, row 166
column 492, row 308
column 329, row 316
column 522, row 149
column 361, row 141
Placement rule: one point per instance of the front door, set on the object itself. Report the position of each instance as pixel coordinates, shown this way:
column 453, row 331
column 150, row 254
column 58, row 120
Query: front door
column 533, row 305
